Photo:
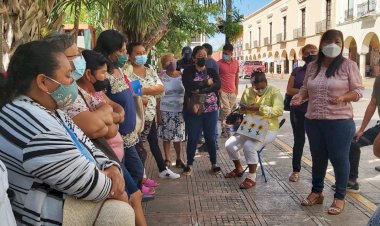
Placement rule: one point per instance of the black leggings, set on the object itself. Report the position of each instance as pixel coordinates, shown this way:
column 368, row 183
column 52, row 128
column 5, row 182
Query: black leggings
column 297, row 119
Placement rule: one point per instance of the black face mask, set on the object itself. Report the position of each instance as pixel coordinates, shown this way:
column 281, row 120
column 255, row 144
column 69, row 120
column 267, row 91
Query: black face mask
column 201, row 62
column 310, row 58
column 101, row 85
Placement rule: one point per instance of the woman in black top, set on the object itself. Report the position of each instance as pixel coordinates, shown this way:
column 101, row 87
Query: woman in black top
column 199, row 80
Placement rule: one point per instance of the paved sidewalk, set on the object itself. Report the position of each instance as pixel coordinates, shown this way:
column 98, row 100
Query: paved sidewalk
column 205, row 199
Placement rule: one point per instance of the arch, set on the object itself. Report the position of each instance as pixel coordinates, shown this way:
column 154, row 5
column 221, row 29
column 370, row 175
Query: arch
column 276, row 55
column 370, row 38
column 269, row 54
column 284, row 54
column 246, row 57
column 254, row 57
column 250, row 57
column 259, row 57
column 292, row 55
column 350, row 49
column 300, row 53
column 264, row 55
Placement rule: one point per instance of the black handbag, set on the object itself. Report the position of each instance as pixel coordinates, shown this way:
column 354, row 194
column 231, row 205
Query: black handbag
column 287, row 100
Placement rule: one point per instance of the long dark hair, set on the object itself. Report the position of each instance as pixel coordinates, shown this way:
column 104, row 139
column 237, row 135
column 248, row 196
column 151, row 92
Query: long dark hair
column 334, row 66
column 28, row 61
column 108, row 42
column 94, row 60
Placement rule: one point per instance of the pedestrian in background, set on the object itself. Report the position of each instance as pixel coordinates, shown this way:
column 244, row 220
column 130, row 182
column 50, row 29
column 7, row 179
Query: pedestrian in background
column 229, row 78
column 297, row 113
column 330, row 84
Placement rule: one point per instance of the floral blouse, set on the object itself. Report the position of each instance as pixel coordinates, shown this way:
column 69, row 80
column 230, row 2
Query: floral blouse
column 151, row 79
column 89, row 103
column 211, row 102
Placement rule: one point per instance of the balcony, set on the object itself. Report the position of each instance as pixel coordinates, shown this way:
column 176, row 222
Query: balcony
column 280, row 38
column 255, row 44
column 366, row 8
column 349, row 14
column 321, row 26
column 266, row 41
column 246, row 46
column 299, row 33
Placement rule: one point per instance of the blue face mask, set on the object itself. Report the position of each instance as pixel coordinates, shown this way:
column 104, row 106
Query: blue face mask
column 226, row 57
column 141, row 60
column 65, row 95
column 80, row 67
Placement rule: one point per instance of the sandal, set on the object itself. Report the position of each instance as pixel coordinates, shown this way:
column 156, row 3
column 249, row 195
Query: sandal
column 234, row 173
column 294, row 177
column 216, row 170
column 334, row 209
column 247, row 184
column 147, row 191
column 149, row 182
column 312, row 202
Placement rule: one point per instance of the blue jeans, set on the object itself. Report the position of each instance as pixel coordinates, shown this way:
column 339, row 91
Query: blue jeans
column 375, row 219
column 133, row 164
column 130, row 185
column 330, row 139
column 194, row 125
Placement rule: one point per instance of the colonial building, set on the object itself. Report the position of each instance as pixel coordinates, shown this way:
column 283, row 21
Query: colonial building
column 276, row 33
column 359, row 20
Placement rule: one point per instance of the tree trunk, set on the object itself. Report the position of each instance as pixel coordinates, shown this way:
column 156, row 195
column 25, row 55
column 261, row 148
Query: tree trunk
column 228, row 15
column 78, row 5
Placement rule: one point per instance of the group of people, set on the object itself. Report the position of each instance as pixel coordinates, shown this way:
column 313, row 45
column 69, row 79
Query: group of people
column 75, row 125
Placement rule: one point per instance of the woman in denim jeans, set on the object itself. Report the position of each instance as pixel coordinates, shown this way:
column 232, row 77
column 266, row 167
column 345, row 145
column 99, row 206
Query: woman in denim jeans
column 375, row 219
column 330, row 84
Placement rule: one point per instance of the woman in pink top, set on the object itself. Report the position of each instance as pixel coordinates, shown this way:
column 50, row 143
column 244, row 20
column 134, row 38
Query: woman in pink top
column 330, row 84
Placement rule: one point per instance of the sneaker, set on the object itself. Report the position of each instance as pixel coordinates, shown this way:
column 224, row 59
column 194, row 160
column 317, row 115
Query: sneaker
column 179, row 164
column 352, row 187
column 187, row 171
column 224, row 134
column 168, row 174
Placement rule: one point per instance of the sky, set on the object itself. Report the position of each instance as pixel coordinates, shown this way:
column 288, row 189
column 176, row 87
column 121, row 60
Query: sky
column 246, row 7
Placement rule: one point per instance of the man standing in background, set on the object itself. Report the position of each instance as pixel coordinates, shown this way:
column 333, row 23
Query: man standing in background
column 229, row 77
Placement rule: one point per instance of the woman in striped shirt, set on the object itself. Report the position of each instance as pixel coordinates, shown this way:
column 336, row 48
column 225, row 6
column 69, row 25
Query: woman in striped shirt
column 47, row 156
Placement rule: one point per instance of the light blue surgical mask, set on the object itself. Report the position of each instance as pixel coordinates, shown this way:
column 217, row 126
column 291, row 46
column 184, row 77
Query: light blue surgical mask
column 65, row 95
column 80, row 67
column 141, row 59
column 226, row 57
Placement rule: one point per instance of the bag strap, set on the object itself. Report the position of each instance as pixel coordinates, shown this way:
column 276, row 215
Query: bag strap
column 79, row 145
column 98, row 212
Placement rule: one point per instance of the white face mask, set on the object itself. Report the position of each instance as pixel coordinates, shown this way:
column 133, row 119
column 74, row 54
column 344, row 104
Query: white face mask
column 331, row 50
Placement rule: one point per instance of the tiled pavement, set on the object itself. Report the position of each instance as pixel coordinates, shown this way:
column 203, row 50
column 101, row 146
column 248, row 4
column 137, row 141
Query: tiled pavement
column 205, row 199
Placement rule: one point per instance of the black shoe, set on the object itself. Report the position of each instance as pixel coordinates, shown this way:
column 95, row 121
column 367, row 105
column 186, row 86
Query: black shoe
column 187, row 171
column 352, row 187
column 216, row 170
column 179, row 164
column 203, row 148
column 147, row 198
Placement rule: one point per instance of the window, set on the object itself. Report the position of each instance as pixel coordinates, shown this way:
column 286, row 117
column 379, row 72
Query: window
column 270, row 33
column 259, row 36
column 303, row 21
column 328, row 14
column 284, row 27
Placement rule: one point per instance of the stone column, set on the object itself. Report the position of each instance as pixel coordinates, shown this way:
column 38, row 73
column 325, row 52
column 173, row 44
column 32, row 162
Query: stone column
column 275, row 67
column 362, row 64
column 282, row 67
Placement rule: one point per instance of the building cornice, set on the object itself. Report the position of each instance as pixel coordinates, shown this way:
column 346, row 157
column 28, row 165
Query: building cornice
column 262, row 9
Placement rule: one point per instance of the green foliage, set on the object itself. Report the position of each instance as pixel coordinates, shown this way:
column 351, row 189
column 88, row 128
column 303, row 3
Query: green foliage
column 232, row 26
column 188, row 20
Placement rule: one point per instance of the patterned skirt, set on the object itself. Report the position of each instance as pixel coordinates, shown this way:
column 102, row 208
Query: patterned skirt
column 173, row 128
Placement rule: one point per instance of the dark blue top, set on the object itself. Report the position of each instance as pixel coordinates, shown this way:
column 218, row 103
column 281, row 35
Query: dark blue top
column 211, row 63
column 125, row 99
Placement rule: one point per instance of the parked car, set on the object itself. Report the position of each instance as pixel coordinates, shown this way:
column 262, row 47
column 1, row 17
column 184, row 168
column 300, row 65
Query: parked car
column 250, row 66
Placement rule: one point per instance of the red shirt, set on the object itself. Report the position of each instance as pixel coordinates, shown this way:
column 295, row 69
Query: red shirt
column 228, row 72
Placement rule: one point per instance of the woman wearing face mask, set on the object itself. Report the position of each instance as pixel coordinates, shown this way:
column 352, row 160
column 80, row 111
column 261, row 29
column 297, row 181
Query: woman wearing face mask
column 169, row 110
column 297, row 114
column 197, row 79
column 52, row 161
column 330, row 84
column 112, row 45
column 152, row 88
column 263, row 100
